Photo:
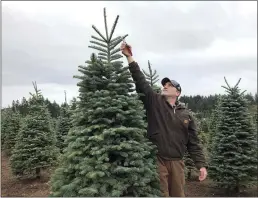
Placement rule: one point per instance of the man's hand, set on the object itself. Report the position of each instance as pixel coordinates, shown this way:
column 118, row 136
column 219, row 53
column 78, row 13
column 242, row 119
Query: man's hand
column 126, row 49
column 203, row 174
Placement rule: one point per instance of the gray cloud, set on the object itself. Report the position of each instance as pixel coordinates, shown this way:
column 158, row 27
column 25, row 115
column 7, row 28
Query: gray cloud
column 37, row 51
column 48, row 49
column 161, row 27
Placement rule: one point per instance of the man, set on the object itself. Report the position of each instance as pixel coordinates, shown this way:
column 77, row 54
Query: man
column 170, row 127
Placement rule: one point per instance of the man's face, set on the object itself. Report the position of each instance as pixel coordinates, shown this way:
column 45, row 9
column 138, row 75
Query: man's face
column 169, row 90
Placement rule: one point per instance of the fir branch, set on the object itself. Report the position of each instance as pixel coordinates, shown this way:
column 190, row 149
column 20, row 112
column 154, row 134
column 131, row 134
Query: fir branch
column 115, row 57
column 113, row 28
column 242, row 93
column 94, row 37
column 155, row 79
column 102, row 54
column 123, row 37
column 115, row 39
column 102, row 57
column 114, row 51
column 228, row 89
column 114, row 44
column 117, row 62
column 65, row 97
column 155, row 73
column 226, row 82
column 98, row 48
column 149, row 65
column 105, row 21
column 35, row 86
column 93, row 26
column 148, row 78
column 97, row 43
column 145, row 73
column 237, row 83
column 93, row 57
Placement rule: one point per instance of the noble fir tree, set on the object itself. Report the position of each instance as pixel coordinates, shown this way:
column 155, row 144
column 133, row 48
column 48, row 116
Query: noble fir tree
column 152, row 77
column 212, row 125
column 234, row 158
column 35, row 146
column 107, row 154
column 10, row 125
column 63, row 125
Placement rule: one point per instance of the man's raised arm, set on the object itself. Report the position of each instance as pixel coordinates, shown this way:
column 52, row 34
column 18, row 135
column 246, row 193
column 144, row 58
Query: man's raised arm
column 142, row 85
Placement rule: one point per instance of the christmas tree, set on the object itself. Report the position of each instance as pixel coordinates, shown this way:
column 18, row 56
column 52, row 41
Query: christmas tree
column 35, row 147
column 10, row 125
column 152, row 77
column 63, row 125
column 234, row 158
column 212, row 125
column 107, row 152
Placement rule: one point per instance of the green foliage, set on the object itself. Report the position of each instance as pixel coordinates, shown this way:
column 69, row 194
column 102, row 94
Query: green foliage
column 35, row 146
column 212, row 125
column 107, row 45
column 107, row 153
column 10, row 125
column 63, row 126
column 152, row 77
column 23, row 107
column 73, row 104
column 234, row 156
column 203, row 105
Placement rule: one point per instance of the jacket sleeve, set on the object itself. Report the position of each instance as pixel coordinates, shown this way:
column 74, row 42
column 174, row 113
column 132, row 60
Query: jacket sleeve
column 193, row 146
column 142, row 85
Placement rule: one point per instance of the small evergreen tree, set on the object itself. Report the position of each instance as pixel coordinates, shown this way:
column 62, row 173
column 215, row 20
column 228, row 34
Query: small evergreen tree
column 234, row 158
column 35, row 147
column 107, row 154
column 212, row 125
column 63, row 125
column 10, row 125
column 73, row 104
column 152, row 77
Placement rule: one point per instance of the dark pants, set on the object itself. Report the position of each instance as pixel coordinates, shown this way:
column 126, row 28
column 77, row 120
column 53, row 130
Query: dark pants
column 172, row 177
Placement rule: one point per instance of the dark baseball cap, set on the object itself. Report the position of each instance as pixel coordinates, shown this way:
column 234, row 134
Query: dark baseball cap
column 173, row 82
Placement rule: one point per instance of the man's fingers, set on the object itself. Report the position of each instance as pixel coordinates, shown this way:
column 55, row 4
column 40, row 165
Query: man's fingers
column 122, row 47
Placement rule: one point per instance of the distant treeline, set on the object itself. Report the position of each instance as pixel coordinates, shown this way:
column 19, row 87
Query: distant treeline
column 198, row 104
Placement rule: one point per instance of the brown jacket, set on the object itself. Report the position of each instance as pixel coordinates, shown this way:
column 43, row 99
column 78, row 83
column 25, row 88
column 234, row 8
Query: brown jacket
column 172, row 129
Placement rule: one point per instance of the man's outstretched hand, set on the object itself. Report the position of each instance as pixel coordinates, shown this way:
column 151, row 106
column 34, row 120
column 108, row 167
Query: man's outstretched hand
column 203, row 174
column 126, row 49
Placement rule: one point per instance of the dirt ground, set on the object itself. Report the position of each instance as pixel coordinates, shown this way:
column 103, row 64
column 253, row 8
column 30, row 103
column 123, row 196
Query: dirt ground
column 11, row 187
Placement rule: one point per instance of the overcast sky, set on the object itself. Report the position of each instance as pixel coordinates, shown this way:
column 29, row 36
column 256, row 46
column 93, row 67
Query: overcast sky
column 195, row 43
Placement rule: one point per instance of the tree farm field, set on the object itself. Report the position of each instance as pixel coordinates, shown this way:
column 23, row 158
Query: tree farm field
column 95, row 145
column 12, row 187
